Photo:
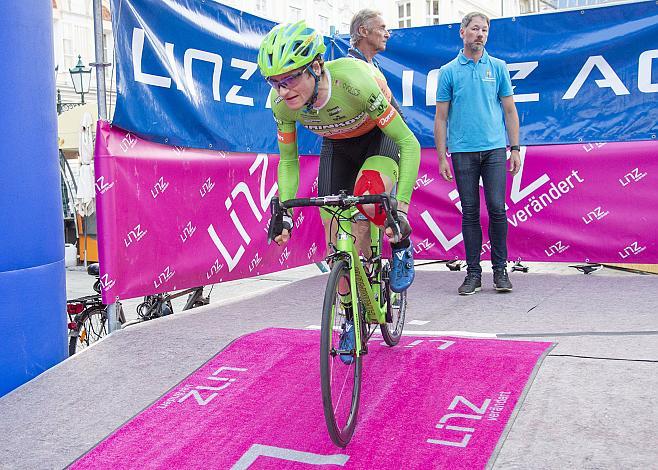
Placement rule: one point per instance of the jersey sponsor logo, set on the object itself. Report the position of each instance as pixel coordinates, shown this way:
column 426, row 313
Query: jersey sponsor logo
column 346, row 124
column 377, row 103
column 335, row 110
column 285, row 137
column 389, row 115
column 350, row 89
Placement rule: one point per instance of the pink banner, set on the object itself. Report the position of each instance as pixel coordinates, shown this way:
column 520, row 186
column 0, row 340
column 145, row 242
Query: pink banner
column 172, row 217
column 573, row 203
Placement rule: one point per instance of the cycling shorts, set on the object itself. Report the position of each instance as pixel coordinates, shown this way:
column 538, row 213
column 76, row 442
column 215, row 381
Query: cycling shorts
column 341, row 159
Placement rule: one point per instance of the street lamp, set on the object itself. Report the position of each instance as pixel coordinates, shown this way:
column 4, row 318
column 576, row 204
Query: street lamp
column 81, row 77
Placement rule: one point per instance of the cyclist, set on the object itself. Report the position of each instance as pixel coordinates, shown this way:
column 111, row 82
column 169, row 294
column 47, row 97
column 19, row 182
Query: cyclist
column 347, row 102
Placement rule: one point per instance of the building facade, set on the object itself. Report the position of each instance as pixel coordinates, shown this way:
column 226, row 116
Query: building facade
column 411, row 13
column 73, row 30
column 321, row 14
column 548, row 6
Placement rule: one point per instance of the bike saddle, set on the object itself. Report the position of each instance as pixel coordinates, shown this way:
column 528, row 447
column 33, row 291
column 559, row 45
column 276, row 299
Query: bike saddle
column 93, row 269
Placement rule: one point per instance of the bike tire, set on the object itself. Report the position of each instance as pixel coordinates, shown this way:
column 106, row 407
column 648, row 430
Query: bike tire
column 396, row 306
column 93, row 326
column 341, row 382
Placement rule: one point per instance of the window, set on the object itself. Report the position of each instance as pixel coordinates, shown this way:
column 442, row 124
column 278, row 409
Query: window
column 324, row 24
column 432, row 12
column 404, row 14
column 524, row 7
column 67, row 42
column 294, row 14
column 78, row 6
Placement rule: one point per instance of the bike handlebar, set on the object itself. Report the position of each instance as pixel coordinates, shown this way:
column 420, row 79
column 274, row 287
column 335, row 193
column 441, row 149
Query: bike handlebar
column 340, row 200
column 344, row 200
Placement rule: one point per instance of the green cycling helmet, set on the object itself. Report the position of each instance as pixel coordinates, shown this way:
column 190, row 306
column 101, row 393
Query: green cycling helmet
column 288, row 47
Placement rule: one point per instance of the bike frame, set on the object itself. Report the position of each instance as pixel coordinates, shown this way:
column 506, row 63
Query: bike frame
column 360, row 286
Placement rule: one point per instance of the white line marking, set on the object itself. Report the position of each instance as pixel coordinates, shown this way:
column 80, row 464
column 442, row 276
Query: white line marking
column 465, row 334
column 418, row 322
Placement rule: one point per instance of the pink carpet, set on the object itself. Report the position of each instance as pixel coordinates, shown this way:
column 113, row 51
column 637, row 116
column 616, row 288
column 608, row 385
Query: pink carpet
column 427, row 403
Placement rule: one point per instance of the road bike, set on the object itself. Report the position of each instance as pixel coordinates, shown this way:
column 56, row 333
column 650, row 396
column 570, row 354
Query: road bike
column 357, row 296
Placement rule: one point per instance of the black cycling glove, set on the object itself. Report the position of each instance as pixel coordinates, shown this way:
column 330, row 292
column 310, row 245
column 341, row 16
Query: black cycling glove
column 281, row 219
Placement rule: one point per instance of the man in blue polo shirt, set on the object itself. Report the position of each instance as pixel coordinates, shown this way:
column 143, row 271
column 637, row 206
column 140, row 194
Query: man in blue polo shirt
column 475, row 102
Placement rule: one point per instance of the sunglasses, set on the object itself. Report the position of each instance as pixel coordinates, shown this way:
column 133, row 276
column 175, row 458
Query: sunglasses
column 289, row 82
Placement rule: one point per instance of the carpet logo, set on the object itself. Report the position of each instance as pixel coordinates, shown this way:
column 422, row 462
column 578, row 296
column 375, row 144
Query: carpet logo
column 458, row 435
column 216, row 384
column 498, row 406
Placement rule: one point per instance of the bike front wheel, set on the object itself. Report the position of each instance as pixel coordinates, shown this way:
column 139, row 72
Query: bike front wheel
column 396, row 309
column 340, row 367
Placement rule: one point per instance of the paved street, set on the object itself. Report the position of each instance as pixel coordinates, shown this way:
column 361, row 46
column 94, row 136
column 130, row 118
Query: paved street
column 591, row 405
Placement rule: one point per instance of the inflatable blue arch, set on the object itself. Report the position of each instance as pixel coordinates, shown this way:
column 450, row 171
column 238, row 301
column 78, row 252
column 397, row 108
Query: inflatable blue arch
column 32, row 272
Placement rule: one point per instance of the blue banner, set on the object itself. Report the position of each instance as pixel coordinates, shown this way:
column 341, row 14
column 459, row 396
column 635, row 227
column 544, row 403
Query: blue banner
column 187, row 74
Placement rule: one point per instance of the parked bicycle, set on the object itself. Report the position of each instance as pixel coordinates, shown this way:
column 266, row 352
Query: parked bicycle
column 88, row 316
column 357, row 296
column 159, row 305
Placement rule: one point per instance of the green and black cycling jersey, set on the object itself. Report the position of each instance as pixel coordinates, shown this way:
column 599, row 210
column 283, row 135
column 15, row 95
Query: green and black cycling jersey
column 359, row 101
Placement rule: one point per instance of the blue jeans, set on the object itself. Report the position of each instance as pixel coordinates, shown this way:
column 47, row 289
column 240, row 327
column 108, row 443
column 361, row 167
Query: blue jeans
column 491, row 165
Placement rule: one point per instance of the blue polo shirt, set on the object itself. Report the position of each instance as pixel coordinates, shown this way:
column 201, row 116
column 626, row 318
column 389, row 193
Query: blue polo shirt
column 475, row 117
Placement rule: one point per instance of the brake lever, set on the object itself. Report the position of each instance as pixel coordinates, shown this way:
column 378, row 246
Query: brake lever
column 390, row 206
column 275, row 210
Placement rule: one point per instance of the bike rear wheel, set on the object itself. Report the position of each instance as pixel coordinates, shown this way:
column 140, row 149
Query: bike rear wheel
column 396, row 309
column 93, row 326
column 340, row 373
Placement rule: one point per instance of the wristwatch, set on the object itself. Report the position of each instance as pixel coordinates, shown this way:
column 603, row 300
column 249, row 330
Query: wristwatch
column 515, row 147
